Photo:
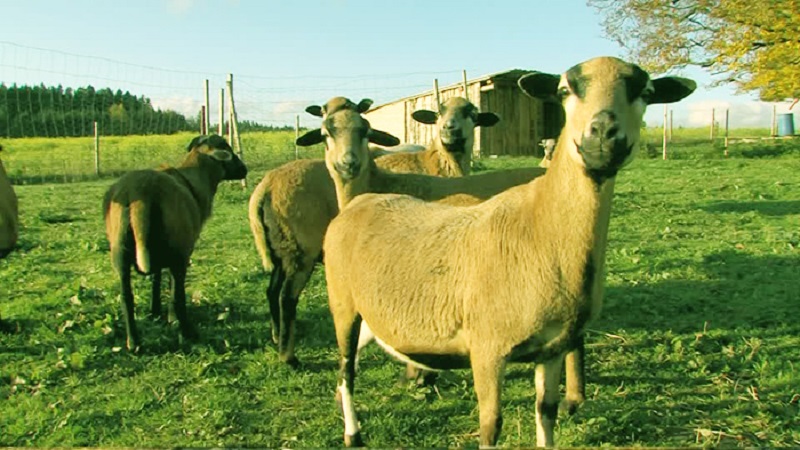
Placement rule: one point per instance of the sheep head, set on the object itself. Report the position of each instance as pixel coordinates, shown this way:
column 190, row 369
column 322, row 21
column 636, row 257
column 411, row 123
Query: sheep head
column 336, row 104
column 218, row 149
column 346, row 134
column 604, row 100
column 456, row 121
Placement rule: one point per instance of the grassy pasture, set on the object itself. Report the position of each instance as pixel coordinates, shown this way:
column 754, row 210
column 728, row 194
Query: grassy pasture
column 698, row 342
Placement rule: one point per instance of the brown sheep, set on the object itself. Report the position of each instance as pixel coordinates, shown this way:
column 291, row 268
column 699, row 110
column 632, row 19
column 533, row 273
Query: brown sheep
column 9, row 213
column 9, row 217
column 154, row 217
column 515, row 278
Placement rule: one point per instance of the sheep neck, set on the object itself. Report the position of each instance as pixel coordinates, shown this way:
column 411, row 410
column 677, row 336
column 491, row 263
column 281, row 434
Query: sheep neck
column 347, row 190
column 451, row 160
column 580, row 210
column 201, row 181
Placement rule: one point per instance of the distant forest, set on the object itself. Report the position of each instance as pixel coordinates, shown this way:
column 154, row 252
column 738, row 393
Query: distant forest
column 41, row 111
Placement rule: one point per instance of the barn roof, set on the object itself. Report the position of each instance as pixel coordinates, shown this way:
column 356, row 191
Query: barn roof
column 505, row 78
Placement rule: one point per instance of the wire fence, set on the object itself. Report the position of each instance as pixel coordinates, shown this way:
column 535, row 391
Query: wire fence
column 49, row 101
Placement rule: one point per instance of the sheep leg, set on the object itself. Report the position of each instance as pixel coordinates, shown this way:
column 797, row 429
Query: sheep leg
column 127, row 307
column 575, row 378
column 289, row 297
column 155, row 301
column 421, row 377
column 548, row 375
column 276, row 280
column 288, row 314
column 347, row 332
column 188, row 331
column 487, row 373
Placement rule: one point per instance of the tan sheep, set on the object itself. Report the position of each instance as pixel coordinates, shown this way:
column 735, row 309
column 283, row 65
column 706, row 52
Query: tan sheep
column 292, row 206
column 515, row 278
column 9, row 214
column 450, row 152
column 154, row 217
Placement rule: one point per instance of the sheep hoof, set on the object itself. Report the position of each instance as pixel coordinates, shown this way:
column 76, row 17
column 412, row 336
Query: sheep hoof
column 190, row 334
column 353, row 440
column 570, row 406
column 291, row 361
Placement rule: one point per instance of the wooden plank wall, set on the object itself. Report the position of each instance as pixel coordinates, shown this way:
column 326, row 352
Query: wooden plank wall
column 519, row 131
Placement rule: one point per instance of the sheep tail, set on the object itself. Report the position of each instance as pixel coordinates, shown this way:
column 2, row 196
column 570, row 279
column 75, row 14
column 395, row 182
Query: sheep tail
column 140, row 224
column 256, row 213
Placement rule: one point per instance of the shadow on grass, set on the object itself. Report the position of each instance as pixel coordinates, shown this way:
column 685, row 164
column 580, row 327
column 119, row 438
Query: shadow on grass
column 743, row 291
column 765, row 207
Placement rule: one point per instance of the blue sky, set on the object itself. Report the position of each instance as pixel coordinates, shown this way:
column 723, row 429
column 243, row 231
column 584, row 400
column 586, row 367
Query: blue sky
column 292, row 52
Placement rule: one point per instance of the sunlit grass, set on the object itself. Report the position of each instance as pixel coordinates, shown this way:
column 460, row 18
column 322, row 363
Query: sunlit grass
column 698, row 342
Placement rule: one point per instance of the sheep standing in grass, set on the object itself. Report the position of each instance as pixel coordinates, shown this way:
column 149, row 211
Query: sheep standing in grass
column 154, row 217
column 9, row 214
column 450, row 152
column 291, row 208
column 515, row 278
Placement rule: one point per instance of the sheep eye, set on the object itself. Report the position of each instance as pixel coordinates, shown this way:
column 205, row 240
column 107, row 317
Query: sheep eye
column 563, row 92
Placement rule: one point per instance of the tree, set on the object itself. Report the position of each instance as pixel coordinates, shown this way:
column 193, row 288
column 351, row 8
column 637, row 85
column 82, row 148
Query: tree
column 754, row 44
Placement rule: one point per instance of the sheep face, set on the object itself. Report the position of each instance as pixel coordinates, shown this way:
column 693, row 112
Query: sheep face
column 346, row 135
column 218, row 149
column 456, row 122
column 604, row 100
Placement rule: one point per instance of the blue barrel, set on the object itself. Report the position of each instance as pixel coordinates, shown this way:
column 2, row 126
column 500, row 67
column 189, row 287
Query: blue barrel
column 786, row 124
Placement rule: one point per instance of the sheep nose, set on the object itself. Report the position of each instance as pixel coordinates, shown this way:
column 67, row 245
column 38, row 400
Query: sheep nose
column 348, row 165
column 604, row 125
column 451, row 124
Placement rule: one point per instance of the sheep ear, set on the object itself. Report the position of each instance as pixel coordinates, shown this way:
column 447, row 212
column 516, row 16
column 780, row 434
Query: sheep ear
column 671, row 89
column 310, row 138
column 220, row 155
column 196, row 142
column 315, row 110
column 425, row 116
column 487, row 119
column 382, row 138
column 215, row 152
column 363, row 105
column 539, row 85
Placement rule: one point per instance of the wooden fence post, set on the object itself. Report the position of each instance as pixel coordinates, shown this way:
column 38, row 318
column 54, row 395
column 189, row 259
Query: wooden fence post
column 236, row 140
column 726, row 132
column 221, row 126
column 96, row 150
column 773, row 129
column 296, row 136
column 207, row 114
column 664, row 137
column 712, row 125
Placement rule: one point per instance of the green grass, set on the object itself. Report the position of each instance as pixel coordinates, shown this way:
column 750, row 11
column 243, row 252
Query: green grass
column 698, row 342
column 44, row 160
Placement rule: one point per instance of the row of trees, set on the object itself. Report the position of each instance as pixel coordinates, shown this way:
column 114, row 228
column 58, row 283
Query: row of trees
column 40, row 111
column 753, row 44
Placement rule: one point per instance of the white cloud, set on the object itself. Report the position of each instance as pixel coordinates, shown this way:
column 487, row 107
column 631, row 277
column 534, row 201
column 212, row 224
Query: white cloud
column 741, row 114
column 187, row 106
column 290, row 107
column 180, row 6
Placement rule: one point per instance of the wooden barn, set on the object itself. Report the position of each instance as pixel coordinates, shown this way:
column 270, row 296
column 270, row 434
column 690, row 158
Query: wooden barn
column 524, row 122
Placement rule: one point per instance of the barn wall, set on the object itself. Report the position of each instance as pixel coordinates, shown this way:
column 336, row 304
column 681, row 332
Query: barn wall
column 521, row 123
column 389, row 118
